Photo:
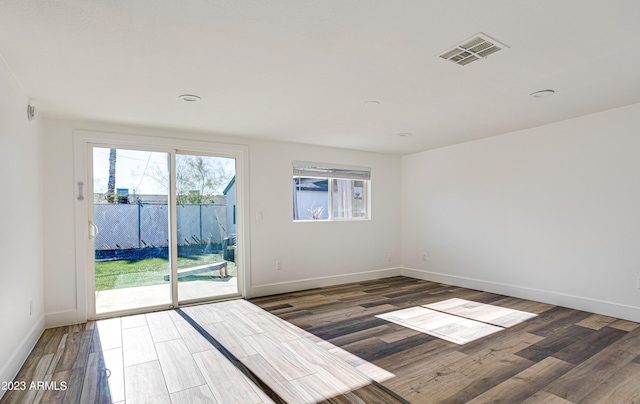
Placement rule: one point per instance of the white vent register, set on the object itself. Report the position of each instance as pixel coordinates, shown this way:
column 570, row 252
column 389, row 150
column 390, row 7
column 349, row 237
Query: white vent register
column 475, row 48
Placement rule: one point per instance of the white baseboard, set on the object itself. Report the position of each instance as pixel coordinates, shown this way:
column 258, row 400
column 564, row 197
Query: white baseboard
column 630, row 313
column 10, row 369
column 61, row 318
column 294, row 286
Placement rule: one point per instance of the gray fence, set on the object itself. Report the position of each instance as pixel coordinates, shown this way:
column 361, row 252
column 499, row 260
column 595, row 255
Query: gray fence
column 145, row 225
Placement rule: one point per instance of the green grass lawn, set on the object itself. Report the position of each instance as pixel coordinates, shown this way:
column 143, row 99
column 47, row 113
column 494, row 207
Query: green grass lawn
column 151, row 271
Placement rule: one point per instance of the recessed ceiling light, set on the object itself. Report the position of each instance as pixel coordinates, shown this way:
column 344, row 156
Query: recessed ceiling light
column 372, row 103
column 542, row 94
column 405, row 134
column 189, row 97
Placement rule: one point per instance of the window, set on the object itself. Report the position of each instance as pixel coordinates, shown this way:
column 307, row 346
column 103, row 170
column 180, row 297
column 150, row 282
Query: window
column 328, row 192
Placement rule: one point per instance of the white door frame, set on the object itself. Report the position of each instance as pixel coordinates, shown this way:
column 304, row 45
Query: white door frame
column 83, row 140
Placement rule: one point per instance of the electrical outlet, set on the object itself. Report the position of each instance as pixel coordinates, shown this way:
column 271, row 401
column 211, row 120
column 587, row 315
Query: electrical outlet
column 30, row 307
column 278, row 265
column 425, row 257
column 389, row 256
column 638, row 283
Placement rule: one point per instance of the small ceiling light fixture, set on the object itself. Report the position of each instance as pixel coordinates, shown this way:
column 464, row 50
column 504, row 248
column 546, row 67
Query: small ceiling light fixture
column 372, row 103
column 542, row 94
column 405, row 134
column 189, row 97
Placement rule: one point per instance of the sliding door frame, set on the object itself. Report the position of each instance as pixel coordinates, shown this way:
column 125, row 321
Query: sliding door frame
column 84, row 141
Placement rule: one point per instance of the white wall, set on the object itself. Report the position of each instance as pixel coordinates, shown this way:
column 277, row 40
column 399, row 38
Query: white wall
column 319, row 249
column 550, row 213
column 312, row 254
column 21, row 275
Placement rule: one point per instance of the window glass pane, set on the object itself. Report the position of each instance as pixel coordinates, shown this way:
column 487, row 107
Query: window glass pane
column 359, row 198
column 310, row 198
column 349, row 198
column 206, row 197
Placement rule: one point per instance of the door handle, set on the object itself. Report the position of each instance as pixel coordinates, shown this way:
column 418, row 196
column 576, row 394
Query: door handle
column 80, row 194
column 93, row 230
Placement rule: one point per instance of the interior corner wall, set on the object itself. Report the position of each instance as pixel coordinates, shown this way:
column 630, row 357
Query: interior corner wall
column 550, row 213
column 21, row 273
column 312, row 254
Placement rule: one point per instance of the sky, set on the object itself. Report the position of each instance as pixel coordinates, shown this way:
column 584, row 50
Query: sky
column 135, row 169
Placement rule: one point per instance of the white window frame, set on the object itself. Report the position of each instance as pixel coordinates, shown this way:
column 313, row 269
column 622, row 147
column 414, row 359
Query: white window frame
column 303, row 169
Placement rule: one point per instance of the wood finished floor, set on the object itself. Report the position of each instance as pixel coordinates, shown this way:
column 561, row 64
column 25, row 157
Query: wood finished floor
column 164, row 357
column 331, row 347
column 560, row 356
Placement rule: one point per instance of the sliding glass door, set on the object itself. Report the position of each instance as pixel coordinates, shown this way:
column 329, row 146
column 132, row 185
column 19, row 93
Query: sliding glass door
column 130, row 229
column 163, row 228
column 206, row 227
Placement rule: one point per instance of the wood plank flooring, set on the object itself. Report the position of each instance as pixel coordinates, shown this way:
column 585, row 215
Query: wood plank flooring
column 327, row 345
column 163, row 358
column 559, row 356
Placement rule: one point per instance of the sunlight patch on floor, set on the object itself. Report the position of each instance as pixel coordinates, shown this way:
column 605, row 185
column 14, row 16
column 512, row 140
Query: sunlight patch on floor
column 457, row 320
column 366, row 368
column 486, row 313
column 299, row 366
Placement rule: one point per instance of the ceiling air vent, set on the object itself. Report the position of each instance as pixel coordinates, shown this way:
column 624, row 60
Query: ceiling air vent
column 477, row 47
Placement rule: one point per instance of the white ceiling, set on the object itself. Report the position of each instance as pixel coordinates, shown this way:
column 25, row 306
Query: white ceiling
column 302, row 70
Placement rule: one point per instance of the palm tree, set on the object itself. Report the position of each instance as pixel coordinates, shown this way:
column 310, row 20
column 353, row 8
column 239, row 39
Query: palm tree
column 111, row 185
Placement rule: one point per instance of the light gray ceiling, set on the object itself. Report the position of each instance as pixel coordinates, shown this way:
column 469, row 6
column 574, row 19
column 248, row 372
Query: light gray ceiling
column 302, row 70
